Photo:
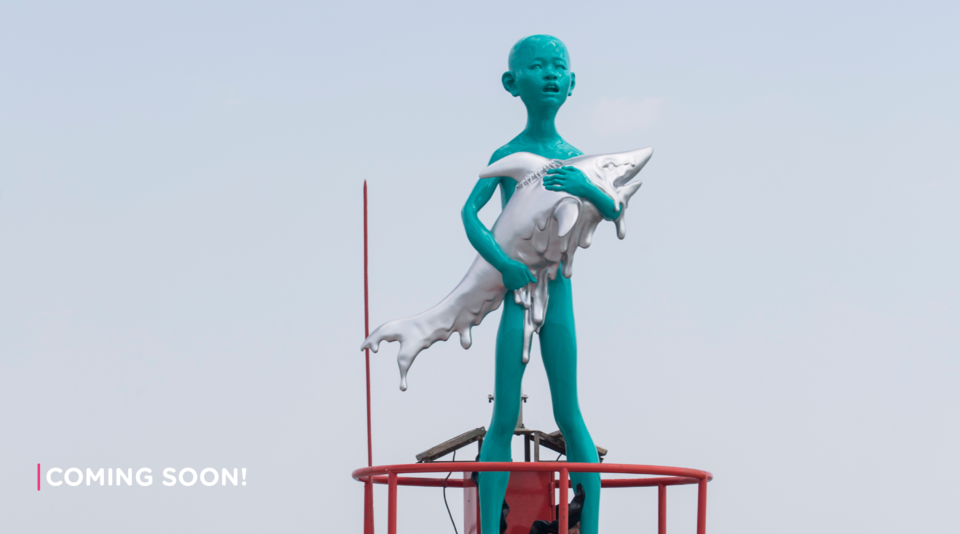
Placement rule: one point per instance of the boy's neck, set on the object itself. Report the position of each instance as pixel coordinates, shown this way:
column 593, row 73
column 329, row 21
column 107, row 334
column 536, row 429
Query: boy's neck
column 541, row 126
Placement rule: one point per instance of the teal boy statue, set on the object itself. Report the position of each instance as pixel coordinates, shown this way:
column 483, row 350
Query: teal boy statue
column 553, row 197
column 540, row 75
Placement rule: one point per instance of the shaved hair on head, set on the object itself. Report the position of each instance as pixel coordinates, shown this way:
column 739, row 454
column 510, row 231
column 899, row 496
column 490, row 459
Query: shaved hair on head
column 531, row 43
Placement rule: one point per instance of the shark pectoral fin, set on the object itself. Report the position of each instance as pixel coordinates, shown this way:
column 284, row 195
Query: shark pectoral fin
column 628, row 190
column 566, row 213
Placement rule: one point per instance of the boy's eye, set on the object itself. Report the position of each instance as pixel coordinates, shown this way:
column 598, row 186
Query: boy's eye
column 535, row 66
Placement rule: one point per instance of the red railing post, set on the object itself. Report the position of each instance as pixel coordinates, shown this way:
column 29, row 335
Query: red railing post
column 661, row 509
column 392, row 503
column 368, row 506
column 702, row 506
column 564, row 503
column 553, row 498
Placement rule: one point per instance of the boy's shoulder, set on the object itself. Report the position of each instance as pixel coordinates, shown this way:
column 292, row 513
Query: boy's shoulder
column 512, row 147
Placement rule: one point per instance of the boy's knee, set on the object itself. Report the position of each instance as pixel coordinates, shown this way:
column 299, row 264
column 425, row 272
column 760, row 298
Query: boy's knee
column 569, row 423
column 502, row 429
column 504, row 419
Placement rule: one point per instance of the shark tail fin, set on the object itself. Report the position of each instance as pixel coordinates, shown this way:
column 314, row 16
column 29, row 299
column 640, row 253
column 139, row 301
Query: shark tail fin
column 479, row 293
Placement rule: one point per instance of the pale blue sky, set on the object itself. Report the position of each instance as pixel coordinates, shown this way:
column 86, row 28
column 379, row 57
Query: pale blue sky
column 180, row 254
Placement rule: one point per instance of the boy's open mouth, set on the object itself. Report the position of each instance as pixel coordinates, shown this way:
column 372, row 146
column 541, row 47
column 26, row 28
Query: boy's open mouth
column 551, row 88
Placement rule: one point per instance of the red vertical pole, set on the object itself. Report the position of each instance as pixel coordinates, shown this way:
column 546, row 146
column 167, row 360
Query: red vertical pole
column 553, row 498
column 662, row 509
column 392, row 503
column 564, row 518
column 366, row 324
column 368, row 486
column 702, row 507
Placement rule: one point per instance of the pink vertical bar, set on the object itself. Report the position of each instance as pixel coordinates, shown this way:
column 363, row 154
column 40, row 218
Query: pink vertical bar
column 564, row 519
column 392, row 503
column 38, row 477
column 702, row 507
column 662, row 509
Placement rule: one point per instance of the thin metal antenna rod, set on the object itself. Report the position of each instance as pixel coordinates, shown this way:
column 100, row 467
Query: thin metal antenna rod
column 368, row 486
column 366, row 324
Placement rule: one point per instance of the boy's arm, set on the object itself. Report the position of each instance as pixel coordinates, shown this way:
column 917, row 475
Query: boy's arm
column 573, row 181
column 515, row 274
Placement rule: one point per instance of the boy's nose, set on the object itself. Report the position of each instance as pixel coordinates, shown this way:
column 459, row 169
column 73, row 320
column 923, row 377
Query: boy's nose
column 550, row 75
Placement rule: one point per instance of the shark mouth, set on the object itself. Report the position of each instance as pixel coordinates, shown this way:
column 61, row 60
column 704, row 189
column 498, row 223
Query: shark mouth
column 551, row 88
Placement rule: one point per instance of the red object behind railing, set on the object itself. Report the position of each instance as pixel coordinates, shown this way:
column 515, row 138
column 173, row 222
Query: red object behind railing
column 664, row 476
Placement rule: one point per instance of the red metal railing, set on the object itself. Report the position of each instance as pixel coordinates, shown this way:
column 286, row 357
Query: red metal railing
column 662, row 477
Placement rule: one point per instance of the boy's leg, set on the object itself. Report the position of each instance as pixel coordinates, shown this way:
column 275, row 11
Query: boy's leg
column 558, row 346
column 506, row 409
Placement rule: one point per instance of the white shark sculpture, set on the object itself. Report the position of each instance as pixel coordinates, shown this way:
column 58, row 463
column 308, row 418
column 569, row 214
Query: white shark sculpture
column 539, row 228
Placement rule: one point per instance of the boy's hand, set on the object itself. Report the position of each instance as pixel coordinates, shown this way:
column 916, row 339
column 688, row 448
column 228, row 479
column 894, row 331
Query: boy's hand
column 568, row 179
column 516, row 275
column 572, row 180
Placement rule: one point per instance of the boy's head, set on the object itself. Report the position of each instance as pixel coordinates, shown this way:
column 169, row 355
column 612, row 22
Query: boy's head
column 539, row 72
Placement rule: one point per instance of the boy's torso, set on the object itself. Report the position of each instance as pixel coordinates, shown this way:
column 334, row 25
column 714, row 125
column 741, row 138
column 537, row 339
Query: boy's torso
column 557, row 149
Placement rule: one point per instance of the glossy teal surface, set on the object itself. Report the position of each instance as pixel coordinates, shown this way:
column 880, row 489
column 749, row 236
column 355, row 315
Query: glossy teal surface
column 540, row 75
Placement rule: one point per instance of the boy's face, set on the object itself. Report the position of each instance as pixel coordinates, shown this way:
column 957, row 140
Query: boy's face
column 540, row 73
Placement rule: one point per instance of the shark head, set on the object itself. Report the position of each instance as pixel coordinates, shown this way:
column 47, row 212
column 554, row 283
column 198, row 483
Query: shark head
column 614, row 173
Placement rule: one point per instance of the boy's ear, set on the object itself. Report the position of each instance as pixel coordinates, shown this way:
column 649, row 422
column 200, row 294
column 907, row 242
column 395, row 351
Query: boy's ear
column 573, row 83
column 510, row 83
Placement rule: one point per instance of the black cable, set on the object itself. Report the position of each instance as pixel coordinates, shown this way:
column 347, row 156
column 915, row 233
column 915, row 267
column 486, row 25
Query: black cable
column 558, row 457
column 445, row 496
